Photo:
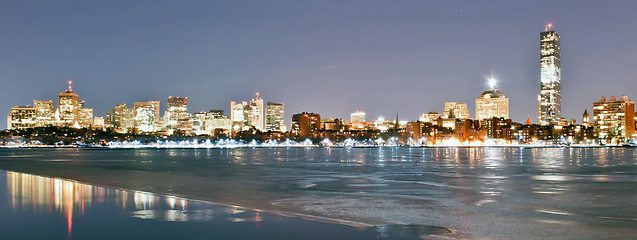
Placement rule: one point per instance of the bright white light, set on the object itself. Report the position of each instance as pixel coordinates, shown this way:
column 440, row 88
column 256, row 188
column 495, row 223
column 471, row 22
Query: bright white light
column 492, row 82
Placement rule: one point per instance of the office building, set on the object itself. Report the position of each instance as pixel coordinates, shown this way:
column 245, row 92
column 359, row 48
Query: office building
column 550, row 97
column 456, row 110
column 68, row 108
column 614, row 119
column 305, row 125
column 45, row 113
column 492, row 103
column 146, row 116
column 275, row 117
column 22, row 117
column 120, row 118
column 357, row 117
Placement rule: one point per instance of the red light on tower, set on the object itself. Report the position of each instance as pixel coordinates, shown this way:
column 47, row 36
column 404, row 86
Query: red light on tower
column 548, row 27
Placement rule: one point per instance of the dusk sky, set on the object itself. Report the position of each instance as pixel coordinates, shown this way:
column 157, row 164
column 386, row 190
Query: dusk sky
column 328, row 57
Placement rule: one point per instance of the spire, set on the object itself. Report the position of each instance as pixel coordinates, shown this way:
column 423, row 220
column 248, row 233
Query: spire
column 396, row 124
column 70, row 86
column 528, row 121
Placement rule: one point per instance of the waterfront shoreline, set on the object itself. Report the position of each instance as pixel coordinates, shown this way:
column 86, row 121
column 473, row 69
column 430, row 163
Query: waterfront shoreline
column 434, row 231
column 310, row 146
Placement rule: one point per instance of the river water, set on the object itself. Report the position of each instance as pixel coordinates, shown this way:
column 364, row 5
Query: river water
column 387, row 192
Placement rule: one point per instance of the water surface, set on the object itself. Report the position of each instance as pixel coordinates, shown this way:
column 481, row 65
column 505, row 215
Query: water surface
column 36, row 207
column 537, row 193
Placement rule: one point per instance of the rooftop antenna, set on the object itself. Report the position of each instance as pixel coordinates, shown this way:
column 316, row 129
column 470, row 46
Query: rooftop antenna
column 548, row 27
column 70, row 86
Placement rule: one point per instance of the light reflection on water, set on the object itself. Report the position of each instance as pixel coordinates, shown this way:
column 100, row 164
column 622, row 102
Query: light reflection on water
column 44, row 195
column 30, row 197
column 595, row 189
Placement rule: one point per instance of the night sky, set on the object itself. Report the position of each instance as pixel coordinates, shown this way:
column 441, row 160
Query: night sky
column 329, row 57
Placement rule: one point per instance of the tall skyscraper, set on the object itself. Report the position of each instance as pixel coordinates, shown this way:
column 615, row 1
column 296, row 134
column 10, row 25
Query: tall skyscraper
column 45, row 113
column 176, row 110
column 246, row 115
column 176, row 116
column 274, row 117
column 68, row 107
column 146, row 115
column 256, row 115
column 120, row 118
column 238, row 116
column 550, row 98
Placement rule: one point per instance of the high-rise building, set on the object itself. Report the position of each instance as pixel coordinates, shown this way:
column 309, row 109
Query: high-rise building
column 305, row 125
column 146, row 116
column 22, row 117
column 357, row 117
column 176, row 110
column 120, row 118
column 275, row 117
column 492, row 103
column 45, row 113
column 456, row 110
column 614, row 119
column 207, row 123
column 246, row 116
column 217, row 122
column 68, row 108
column 176, row 116
column 550, row 98
column 238, row 115
column 85, row 119
column 257, row 113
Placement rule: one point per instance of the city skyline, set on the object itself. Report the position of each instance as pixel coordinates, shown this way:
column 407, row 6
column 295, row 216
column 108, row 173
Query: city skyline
column 412, row 80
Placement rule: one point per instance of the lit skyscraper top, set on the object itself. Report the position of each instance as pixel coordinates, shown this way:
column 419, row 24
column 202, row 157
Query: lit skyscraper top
column 550, row 98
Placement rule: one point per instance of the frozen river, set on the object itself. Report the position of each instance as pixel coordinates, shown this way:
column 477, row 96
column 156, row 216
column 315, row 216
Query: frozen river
column 496, row 193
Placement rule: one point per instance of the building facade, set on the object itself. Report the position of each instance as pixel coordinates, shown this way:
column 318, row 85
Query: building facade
column 146, row 116
column 492, row 103
column 550, row 97
column 21, row 117
column 357, row 117
column 305, row 125
column 45, row 113
column 456, row 110
column 614, row 119
column 68, row 108
column 256, row 115
column 120, row 118
column 430, row 117
column 176, row 111
column 275, row 117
